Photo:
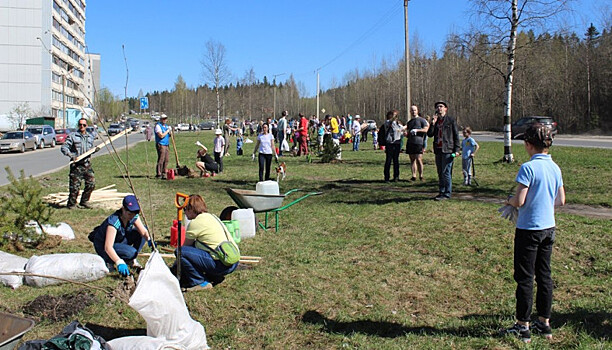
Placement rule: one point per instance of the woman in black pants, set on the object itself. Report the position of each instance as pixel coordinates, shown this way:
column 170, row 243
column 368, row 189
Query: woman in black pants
column 265, row 146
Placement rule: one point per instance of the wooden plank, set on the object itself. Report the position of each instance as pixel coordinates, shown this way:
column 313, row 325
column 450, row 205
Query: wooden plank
column 99, row 147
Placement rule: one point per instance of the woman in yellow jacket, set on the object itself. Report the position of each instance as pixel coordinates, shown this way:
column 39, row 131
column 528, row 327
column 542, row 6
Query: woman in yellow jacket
column 199, row 268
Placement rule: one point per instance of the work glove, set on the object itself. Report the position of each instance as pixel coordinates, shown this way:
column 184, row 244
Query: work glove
column 253, row 157
column 413, row 131
column 509, row 212
column 122, row 268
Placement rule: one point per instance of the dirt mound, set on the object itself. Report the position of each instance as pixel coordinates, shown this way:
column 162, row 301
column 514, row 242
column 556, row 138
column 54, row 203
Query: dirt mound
column 125, row 289
column 56, row 308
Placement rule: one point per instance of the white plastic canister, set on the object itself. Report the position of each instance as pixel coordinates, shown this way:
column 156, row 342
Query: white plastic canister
column 246, row 220
column 267, row 187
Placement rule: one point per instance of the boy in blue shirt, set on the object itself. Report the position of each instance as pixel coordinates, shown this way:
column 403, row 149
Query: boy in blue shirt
column 239, row 143
column 539, row 190
column 469, row 147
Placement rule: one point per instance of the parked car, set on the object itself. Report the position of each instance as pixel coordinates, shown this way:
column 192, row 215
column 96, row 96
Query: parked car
column 114, row 129
column 17, row 141
column 44, row 134
column 61, row 134
column 182, row 127
column 520, row 126
column 207, row 125
column 371, row 123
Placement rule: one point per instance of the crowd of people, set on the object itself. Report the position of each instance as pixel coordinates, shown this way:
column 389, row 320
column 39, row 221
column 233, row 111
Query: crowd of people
column 539, row 190
column 303, row 136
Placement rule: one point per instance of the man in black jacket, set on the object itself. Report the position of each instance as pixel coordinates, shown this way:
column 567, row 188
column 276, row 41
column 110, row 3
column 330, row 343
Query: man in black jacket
column 446, row 146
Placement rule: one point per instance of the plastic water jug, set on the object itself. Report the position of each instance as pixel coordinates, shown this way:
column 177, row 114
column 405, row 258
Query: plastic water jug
column 174, row 234
column 170, row 174
column 233, row 226
column 246, row 222
column 267, row 187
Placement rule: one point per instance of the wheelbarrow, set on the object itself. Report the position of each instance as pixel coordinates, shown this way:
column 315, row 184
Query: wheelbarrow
column 12, row 329
column 265, row 203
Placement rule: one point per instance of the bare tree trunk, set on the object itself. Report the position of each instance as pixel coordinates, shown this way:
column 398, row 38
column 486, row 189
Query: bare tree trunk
column 508, row 157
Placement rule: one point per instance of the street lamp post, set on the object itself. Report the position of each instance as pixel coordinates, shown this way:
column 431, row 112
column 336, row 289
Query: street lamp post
column 407, row 58
column 64, row 101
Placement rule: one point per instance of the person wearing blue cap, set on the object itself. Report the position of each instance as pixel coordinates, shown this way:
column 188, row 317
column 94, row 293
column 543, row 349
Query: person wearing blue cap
column 121, row 236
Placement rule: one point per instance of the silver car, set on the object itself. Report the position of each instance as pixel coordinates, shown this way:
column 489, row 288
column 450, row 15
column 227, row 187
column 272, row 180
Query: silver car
column 44, row 134
column 17, row 141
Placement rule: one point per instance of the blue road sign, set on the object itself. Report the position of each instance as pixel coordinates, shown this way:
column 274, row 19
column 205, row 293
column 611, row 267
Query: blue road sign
column 144, row 103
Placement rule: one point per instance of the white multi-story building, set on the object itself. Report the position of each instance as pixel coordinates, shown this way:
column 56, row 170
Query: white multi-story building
column 42, row 58
column 92, row 78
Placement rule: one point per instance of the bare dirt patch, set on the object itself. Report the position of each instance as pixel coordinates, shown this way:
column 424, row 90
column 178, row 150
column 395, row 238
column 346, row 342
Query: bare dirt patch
column 56, row 308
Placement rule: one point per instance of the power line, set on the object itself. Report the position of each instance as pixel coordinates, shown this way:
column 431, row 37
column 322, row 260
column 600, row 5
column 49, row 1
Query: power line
column 379, row 24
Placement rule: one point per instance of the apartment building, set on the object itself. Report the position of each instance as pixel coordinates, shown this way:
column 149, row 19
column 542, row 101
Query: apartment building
column 42, row 59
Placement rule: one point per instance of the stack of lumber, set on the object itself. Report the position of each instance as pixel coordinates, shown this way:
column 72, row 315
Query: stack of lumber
column 107, row 193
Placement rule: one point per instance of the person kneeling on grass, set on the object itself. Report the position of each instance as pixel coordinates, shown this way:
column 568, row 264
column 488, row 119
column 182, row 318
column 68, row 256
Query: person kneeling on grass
column 205, row 162
column 199, row 268
column 121, row 236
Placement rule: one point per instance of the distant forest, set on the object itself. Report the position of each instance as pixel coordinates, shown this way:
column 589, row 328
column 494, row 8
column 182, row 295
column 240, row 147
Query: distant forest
column 555, row 75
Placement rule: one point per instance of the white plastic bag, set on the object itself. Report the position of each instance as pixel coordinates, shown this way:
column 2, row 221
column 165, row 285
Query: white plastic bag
column 142, row 343
column 12, row 263
column 285, row 146
column 80, row 267
column 158, row 299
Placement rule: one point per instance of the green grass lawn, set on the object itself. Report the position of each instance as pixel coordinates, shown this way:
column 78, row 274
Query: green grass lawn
column 367, row 264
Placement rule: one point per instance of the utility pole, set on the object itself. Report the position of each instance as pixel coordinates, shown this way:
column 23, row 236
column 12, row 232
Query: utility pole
column 318, row 95
column 274, row 81
column 407, row 58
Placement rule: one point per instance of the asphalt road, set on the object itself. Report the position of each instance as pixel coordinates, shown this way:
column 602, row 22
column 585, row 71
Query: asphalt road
column 560, row 140
column 43, row 161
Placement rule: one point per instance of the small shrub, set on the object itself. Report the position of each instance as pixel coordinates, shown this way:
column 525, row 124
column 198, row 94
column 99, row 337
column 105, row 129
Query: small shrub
column 22, row 204
column 330, row 151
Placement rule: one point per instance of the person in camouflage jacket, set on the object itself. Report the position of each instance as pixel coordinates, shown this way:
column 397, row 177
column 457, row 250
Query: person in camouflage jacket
column 76, row 144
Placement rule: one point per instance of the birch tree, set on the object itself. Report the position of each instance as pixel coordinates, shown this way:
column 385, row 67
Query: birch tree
column 215, row 70
column 502, row 19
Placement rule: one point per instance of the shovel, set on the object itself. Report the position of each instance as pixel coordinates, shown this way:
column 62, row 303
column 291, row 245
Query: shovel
column 180, row 201
column 474, row 172
column 180, row 170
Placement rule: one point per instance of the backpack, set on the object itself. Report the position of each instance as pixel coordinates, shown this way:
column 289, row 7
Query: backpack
column 382, row 135
column 227, row 251
column 393, row 133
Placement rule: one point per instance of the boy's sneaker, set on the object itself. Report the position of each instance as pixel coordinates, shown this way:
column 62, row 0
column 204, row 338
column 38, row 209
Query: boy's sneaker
column 541, row 328
column 520, row 331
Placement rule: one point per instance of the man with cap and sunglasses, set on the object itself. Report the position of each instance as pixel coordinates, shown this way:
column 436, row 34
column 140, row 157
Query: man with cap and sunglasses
column 76, row 144
column 446, row 147
column 121, row 236
column 162, row 141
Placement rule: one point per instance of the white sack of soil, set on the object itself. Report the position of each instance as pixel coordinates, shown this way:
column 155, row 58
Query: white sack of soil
column 12, row 263
column 79, row 267
column 62, row 229
column 142, row 343
column 158, row 299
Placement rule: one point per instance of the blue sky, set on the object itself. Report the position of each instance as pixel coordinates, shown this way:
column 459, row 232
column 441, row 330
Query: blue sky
column 163, row 39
